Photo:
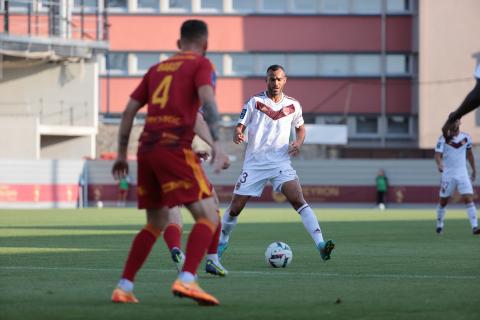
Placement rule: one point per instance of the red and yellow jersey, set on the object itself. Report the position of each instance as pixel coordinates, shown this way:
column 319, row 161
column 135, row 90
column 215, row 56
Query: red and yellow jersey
column 170, row 89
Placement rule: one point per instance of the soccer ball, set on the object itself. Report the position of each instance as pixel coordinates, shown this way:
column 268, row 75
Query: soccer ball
column 278, row 255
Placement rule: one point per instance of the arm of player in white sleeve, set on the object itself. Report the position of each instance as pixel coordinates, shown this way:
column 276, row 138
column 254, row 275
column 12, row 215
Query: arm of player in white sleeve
column 440, row 144
column 246, row 113
column 469, row 141
column 298, row 117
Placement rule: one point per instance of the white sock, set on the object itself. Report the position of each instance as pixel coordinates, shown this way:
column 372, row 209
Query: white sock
column 310, row 223
column 440, row 216
column 213, row 257
column 125, row 285
column 228, row 224
column 186, row 277
column 472, row 214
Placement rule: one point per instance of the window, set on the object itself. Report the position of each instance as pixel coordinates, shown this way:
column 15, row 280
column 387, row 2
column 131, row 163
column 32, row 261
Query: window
column 397, row 6
column 334, row 120
column 178, row 5
column 117, row 63
column 367, row 125
column 275, row 6
column 242, row 64
column 304, row 6
column 334, row 65
column 18, row 5
column 217, row 60
column 146, row 60
column 268, row 59
column 88, row 5
column 211, row 5
column 398, row 125
column 117, row 4
column 302, row 65
column 366, row 64
column 396, row 64
column 150, row 5
column 367, row 6
column 335, row 6
column 244, row 5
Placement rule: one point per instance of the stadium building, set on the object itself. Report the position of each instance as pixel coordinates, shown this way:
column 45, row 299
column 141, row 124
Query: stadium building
column 376, row 79
column 49, row 100
column 351, row 63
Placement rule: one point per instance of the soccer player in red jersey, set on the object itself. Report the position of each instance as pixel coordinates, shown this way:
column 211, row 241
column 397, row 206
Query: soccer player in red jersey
column 169, row 172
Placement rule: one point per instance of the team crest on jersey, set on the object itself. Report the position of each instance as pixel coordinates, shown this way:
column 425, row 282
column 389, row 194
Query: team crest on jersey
column 243, row 113
column 457, row 145
column 275, row 115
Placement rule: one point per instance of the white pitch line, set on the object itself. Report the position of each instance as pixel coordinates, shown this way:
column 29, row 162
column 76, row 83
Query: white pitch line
column 273, row 272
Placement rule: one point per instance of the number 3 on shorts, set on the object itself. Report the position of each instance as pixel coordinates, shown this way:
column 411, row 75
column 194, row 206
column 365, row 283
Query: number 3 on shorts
column 243, row 178
column 160, row 95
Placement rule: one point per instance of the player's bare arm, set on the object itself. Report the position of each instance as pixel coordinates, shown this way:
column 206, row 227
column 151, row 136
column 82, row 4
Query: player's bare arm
column 238, row 136
column 201, row 129
column 439, row 161
column 120, row 167
column 222, row 161
column 294, row 148
column 212, row 118
column 210, row 110
column 471, row 161
column 471, row 102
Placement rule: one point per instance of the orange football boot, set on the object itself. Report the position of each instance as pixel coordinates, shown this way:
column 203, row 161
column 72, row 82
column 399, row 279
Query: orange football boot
column 122, row 296
column 193, row 291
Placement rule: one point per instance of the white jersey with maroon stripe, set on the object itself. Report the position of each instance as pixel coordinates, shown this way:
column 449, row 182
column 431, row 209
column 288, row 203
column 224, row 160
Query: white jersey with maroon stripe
column 454, row 154
column 268, row 130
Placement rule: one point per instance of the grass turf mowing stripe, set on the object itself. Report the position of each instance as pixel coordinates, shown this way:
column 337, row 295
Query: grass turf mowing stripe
column 265, row 273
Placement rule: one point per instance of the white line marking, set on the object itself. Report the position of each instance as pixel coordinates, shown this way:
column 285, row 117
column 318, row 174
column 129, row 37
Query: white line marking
column 273, row 272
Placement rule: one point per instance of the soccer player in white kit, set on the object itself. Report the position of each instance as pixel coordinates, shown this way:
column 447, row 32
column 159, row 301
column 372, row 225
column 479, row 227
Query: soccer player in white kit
column 451, row 156
column 269, row 116
column 471, row 102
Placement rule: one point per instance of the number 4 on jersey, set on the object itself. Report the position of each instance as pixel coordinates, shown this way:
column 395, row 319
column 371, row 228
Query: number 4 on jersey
column 160, row 95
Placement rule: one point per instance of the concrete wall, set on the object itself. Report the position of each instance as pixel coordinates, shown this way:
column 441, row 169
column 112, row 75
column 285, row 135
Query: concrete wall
column 19, row 137
column 449, row 51
column 59, row 93
column 338, row 181
column 61, row 96
column 69, row 147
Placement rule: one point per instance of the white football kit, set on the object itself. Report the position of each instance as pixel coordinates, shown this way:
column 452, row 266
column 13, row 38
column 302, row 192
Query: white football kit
column 455, row 173
column 268, row 136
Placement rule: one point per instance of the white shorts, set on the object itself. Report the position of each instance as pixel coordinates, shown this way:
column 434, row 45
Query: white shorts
column 252, row 181
column 461, row 183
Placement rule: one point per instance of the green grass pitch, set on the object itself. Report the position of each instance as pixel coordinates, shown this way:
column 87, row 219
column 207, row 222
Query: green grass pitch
column 63, row 264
